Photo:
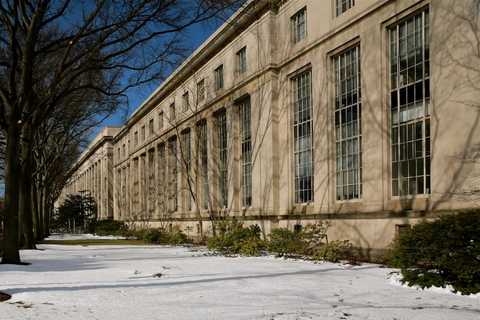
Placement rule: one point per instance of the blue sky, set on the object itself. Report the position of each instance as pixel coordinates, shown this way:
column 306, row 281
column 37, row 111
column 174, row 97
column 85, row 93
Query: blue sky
column 194, row 37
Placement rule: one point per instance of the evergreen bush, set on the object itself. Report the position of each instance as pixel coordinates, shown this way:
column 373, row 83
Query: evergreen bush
column 334, row 251
column 284, row 241
column 440, row 253
column 234, row 238
column 314, row 236
column 177, row 237
column 153, row 236
column 311, row 241
column 160, row 236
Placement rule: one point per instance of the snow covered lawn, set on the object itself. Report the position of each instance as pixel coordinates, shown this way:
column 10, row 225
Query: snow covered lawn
column 81, row 236
column 154, row 282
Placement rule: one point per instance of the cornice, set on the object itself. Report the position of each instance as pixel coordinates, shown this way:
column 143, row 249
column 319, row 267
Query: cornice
column 89, row 151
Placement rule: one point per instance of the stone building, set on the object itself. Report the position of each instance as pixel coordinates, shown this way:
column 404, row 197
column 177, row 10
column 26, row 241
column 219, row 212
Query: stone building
column 92, row 174
column 364, row 113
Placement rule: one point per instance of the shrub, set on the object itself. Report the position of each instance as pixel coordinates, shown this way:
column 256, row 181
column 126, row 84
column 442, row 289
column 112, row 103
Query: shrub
column 314, row 236
column 132, row 233
column 252, row 247
column 152, row 235
column 442, row 252
column 176, row 237
column 334, row 251
column 160, row 236
column 108, row 228
column 284, row 241
column 234, row 238
column 310, row 241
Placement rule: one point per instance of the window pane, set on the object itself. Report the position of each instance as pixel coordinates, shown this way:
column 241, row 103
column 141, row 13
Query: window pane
column 242, row 60
column 219, row 78
column 186, row 161
column 246, row 145
column 343, row 5
column 203, row 162
column 303, row 136
column 348, row 126
column 172, row 174
column 221, row 119
column 298, row 25
column 409, row 112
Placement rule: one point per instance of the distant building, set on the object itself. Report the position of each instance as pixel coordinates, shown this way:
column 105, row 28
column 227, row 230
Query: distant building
column 363, row 113
column 93, row 174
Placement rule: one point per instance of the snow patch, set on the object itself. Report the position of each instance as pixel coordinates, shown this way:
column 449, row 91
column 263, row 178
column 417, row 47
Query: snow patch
column 82, row 236
column 395, row 279
column 157, row 282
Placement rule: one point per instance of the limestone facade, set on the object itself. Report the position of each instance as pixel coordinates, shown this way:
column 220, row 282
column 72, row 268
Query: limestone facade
column 93, row 173
column 363, row 113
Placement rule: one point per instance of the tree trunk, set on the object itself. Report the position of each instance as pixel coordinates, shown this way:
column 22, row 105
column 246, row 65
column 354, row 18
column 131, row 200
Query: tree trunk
column 21, row 226
column 41, row 210
column 11, row 252
column 200, row 222
column 37, row 226
column 26, row 213
column 46, row 213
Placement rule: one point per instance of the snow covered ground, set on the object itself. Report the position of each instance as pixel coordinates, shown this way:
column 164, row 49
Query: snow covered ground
column 154, row 282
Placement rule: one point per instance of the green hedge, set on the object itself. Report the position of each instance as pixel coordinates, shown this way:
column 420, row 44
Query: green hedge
column 440, row 253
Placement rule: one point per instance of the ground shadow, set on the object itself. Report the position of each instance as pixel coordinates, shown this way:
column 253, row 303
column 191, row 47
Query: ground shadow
column 160, row 283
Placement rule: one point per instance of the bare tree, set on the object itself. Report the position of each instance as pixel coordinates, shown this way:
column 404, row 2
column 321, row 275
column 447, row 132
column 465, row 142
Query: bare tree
column 213, row 146
column 53, row 50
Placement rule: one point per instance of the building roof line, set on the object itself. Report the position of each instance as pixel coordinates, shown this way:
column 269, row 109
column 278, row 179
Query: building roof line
column 93, row 146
